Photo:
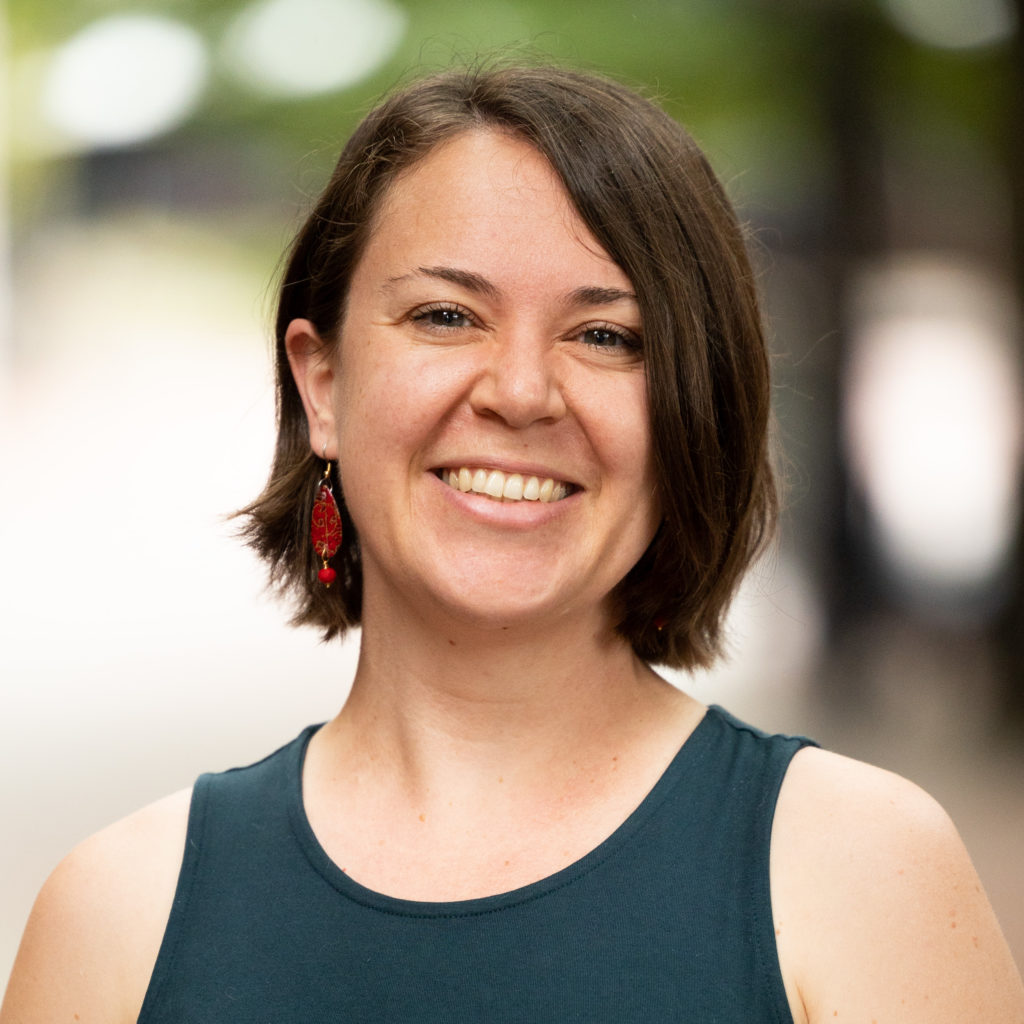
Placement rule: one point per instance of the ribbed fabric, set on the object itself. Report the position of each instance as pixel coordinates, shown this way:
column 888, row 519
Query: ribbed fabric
column 669, row 919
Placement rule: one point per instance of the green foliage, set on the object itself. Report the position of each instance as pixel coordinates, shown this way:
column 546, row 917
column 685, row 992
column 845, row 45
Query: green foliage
column 749, row 78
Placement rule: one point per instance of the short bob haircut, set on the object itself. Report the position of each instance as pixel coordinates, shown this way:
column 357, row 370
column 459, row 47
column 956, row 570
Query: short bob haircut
column 645, row 190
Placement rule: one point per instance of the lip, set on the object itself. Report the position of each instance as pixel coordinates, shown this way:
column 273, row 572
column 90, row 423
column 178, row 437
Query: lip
column 508, row 516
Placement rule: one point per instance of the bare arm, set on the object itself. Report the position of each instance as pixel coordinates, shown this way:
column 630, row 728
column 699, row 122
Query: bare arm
column 880, row 914
column 93, row 935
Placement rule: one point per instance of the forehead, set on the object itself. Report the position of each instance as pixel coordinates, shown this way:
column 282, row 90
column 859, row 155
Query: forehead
column 478, row 158
column 491, row 197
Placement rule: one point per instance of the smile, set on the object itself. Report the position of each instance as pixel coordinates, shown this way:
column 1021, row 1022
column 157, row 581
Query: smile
column 499, row 486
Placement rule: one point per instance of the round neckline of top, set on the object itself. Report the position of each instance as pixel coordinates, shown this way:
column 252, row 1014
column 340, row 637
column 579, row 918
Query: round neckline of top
column 689, row 755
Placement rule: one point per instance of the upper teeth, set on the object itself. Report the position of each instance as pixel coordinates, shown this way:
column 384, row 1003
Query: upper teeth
column 511, row 486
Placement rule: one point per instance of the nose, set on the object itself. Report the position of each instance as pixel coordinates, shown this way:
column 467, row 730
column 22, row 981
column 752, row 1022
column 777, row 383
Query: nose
column 519, row 381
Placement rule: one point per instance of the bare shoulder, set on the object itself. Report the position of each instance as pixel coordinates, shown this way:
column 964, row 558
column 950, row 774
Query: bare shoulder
column 95, row 929
column 879, row 912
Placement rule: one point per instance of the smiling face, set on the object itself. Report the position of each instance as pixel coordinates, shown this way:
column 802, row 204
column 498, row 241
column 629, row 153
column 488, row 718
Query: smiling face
column 486, row 403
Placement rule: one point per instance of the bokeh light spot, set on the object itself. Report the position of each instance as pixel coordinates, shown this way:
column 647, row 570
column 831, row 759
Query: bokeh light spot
column 295, row 48
column 951, row 25
column 124, row 79
column 934, row 420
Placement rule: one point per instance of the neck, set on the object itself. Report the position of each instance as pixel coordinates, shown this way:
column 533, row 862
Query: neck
column 431, row 695
column 477, row 758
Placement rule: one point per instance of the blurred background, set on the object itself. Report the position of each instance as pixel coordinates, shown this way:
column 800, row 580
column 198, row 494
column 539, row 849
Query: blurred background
column 156, row 156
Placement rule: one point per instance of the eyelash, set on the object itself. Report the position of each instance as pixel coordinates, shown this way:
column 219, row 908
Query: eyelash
column 624, row 339
column 423, row 314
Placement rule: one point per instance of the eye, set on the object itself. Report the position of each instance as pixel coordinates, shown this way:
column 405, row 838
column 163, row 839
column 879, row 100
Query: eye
column 442, row 316
column 609, row 336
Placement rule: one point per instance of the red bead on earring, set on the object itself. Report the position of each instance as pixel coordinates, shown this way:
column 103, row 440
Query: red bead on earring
column 325, row 528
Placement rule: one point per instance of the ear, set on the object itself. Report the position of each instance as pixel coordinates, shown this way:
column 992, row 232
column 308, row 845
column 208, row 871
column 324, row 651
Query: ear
column 312, row 363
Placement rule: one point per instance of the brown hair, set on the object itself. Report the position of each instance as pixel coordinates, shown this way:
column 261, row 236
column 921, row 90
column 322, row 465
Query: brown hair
column 645, row 190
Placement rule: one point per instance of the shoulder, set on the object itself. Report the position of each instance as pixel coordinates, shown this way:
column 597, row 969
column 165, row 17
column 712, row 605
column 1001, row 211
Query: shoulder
column 825, row 795
column 879, row 911
column 95, row 929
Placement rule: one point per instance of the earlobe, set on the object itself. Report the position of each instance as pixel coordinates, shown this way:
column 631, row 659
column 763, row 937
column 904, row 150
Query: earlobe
column 312, row 365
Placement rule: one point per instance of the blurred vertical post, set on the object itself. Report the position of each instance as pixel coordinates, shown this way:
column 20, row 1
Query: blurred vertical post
column 852, row 234
column 1010, row 628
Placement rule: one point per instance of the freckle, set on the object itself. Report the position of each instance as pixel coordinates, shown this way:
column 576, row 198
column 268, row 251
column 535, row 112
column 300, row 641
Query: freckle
column 778, row 932
column 423, row 817
column 952, row 924
column 501, row 778
column 452, row 642
column 900, row 872
column 507, row 863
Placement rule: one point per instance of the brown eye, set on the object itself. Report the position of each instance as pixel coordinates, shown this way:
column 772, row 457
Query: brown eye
column 449, row 317
column 608, row 337
column 601, row 336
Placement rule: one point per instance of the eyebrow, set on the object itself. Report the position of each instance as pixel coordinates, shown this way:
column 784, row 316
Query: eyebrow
column 593, row 295
column 464, row 278
column 587, row 295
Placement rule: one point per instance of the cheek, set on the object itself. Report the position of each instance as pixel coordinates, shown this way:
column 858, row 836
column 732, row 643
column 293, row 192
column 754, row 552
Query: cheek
column 393, row 400
column 622, row 424
column 629, row 449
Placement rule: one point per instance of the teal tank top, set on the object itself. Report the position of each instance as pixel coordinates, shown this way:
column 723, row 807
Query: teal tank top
column 669, row 919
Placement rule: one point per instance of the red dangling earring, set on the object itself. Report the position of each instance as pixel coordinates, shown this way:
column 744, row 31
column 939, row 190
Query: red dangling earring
column 325, row 528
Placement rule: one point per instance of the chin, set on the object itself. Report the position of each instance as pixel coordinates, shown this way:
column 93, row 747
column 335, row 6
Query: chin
column 501, row 607
column 498, row 610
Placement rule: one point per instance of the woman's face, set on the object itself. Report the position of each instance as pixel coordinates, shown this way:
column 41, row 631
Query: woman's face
column 487, row 402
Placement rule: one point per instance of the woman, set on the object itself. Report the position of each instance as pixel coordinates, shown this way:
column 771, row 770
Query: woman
column 519, row 351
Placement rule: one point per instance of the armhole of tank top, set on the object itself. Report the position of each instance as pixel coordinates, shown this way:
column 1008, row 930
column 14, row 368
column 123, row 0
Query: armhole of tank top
column 764, row 934
column 163, row 969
